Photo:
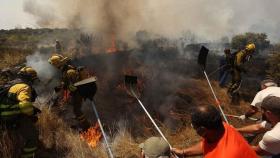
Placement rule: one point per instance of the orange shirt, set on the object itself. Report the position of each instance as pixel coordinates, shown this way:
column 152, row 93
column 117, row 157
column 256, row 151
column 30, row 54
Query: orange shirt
column 231, row 145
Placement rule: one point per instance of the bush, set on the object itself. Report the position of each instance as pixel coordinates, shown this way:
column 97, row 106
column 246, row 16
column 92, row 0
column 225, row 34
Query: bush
column 273, row 70
column 259, row 39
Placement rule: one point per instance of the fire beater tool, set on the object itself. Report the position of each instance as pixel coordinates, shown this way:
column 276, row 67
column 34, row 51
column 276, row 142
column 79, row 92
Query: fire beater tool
column 131, row 85
column 219, row 68
column 236, row 116
column 87, row 88
column 202, row 57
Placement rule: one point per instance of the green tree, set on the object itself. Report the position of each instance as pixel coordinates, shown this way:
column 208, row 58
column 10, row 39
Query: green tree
column 259, row 39
column 273, row 70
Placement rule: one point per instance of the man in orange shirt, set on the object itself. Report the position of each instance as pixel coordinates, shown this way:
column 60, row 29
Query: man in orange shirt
column 219, row 140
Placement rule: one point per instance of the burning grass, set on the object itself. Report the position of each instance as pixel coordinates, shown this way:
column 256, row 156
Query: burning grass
column 58, row 140
column 113, row 105
column 92, row 136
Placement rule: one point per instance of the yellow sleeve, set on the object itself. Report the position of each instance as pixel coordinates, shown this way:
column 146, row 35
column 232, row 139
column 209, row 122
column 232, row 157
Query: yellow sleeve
column 72, row 75
column 239, row 58
column 24, row 95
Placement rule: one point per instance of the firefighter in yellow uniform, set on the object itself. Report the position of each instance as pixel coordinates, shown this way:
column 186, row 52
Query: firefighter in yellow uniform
column 17, row 111
column 239, row 58
column 71, row 75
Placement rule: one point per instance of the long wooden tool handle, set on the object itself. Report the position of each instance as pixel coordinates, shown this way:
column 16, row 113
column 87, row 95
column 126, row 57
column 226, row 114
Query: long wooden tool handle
column 102, row 130
column 216, row 99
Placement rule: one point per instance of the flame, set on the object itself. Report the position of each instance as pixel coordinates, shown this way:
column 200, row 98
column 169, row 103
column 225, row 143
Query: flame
column 113, row 48
column 92, row 136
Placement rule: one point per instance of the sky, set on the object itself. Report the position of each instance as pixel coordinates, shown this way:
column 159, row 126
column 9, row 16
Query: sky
column 12, row 15
column 209, row 19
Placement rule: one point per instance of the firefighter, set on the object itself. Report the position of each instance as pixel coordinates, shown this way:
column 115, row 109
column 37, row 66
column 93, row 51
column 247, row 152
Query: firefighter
column 17, row 111
column 238, row 60
column 225, row 66
column 71, row 75
column 58, row 47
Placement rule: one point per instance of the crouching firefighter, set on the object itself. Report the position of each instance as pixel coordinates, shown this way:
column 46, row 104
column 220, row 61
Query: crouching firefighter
column 238, row 60
column 17, row 111
column 70, row 76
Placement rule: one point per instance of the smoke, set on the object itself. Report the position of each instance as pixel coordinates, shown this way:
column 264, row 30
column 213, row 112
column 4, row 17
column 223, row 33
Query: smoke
column 208, row 19
column 47, row 74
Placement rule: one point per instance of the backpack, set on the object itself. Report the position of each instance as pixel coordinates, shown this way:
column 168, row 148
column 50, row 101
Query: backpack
column 4, row 89
column 8, row 74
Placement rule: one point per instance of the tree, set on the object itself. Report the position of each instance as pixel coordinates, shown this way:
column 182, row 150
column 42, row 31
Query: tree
column 273, row 70
column 259, row 39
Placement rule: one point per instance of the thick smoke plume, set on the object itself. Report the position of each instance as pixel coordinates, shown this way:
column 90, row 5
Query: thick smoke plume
column 209, row 19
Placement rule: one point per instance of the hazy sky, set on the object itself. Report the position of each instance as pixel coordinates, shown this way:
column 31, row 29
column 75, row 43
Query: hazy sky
column 211, row 19
column 12, row 15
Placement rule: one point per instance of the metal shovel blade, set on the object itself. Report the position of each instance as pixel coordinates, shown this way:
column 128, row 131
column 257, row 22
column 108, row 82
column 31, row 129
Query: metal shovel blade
column 86, row 81
column 202, row 57
column 87, row 88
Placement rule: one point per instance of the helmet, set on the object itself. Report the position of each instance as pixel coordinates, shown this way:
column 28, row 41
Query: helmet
column 58, row 60
column 250, row 47
column 28, row 73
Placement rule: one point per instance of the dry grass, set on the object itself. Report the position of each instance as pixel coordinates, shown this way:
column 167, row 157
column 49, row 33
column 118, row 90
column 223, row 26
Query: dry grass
column 56, row 135
column 58, row 140
column 10, row 58
column 8, row 143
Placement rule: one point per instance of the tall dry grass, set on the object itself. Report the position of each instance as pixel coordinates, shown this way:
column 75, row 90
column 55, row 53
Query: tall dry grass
column 10, row 58
column 59, row 140
column 56, row 135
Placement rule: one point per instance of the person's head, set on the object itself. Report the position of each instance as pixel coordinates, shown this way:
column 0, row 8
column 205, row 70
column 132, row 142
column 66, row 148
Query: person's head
column 207, row 121
column 271, row 109
column 227, row 51
column 155, row 147
column 250, row 48
column 58, row 61
column 268, row 83
column 28, row 73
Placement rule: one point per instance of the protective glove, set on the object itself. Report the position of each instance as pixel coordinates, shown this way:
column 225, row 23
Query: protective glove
column 242, row 117
column 72, row 88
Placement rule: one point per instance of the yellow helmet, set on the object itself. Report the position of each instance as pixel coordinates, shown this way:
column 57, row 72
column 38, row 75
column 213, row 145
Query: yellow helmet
column 28, row 72
column 250, row 47
column 58, row 60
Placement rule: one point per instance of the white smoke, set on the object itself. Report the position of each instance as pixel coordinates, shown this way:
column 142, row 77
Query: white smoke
column 210, row 19
column 47, row 74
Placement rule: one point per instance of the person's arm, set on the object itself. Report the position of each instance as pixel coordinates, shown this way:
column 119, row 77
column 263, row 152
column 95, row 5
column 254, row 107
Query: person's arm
column 260, row 151
column 142, row 155
column 194, row 150
column 269, row 145
column 72, row 76
column 255, row 128
column 253, row 110
column 24, row 98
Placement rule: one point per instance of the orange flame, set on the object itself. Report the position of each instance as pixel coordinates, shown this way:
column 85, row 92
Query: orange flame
column 113, row 48
column 92, row 136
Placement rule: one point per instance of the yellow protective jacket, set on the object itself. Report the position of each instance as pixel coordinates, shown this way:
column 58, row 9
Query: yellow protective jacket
column 240, row 59
column 22, row 94
column 72, row 75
